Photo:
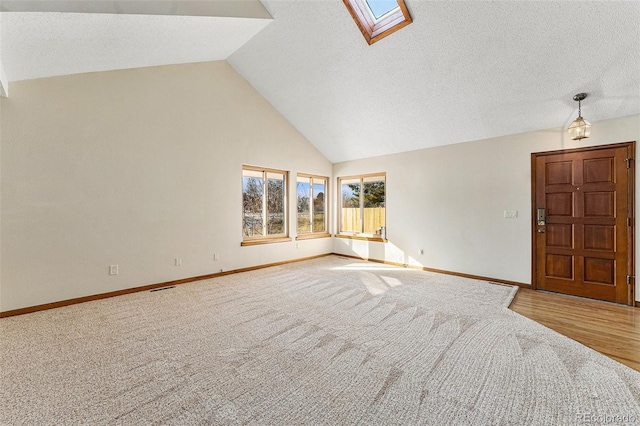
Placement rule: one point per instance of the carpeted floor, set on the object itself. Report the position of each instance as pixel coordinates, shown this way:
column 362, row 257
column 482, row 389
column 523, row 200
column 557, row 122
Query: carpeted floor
column 329, row 341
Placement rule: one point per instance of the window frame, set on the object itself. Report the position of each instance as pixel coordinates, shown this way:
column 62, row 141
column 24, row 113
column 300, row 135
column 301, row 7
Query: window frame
column 373, row 29
column 314, row 234
column 360, row 235
column 267, row 239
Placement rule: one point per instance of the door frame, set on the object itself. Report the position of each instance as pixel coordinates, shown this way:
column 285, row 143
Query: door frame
column 631, row 176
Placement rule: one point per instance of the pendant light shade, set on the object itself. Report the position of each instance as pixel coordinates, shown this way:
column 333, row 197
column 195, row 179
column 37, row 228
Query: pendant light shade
column 580, row 128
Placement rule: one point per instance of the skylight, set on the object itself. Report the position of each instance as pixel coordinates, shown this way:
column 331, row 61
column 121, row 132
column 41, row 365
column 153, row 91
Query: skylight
column 376, row 19
column 380, row 8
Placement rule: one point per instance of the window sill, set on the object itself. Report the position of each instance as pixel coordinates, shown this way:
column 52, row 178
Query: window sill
column 360, row 237
column 313, row 235
column 258, row 241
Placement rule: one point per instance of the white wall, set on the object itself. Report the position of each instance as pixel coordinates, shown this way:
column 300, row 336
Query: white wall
column 449, row 201
column 4, row 83
column 135, row 168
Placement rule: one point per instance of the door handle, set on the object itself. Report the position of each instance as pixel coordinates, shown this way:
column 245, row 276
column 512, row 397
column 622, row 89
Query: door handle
column 541, row 231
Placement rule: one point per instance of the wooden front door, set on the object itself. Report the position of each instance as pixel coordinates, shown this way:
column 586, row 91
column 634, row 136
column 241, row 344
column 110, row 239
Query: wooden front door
column 583, row 222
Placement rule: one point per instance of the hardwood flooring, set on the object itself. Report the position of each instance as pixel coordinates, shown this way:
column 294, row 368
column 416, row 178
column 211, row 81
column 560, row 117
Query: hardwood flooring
column 611, row 329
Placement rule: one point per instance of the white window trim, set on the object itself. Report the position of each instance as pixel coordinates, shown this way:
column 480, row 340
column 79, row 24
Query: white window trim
column 372, row 16
column 374, row 29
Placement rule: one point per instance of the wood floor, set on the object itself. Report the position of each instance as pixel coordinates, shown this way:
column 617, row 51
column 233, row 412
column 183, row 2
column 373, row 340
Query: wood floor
column 611, row 329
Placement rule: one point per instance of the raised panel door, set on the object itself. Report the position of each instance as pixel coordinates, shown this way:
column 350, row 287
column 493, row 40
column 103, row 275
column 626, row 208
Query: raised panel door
column 583, row 247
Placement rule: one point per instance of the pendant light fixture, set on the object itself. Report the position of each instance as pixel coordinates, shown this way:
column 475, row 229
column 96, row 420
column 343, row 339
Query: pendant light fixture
column 580, row 128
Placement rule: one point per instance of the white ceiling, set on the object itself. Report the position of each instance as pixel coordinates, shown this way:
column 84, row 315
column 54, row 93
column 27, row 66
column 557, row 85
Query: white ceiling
column 119, row 34
column 461, row 71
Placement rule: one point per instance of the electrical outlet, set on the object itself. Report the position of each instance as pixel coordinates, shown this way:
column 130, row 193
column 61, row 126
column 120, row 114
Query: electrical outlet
column 216, row 256
column 113, row 270
column 178, row 261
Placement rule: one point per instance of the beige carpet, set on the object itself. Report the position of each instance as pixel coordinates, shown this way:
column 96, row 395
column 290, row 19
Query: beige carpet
column 330, row 341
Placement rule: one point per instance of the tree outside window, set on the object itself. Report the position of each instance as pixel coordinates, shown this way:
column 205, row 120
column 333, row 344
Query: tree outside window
column 363, row 206
column 311, row 196
column 264, row 196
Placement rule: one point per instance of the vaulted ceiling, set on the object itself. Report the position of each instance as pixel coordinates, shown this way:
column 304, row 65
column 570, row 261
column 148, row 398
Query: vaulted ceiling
column 462, row 71
column 45, row 38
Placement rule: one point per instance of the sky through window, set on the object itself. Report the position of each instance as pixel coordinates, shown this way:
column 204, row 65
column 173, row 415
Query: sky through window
column 381, row 7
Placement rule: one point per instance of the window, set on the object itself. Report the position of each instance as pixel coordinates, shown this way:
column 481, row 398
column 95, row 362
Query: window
column 311, row 195
column 376, row 19
column 379, row 8
column 264, row 205
column 363, row 206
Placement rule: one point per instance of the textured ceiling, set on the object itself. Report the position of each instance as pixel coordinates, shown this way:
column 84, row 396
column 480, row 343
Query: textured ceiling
column 462, row 71
column 57, row 38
